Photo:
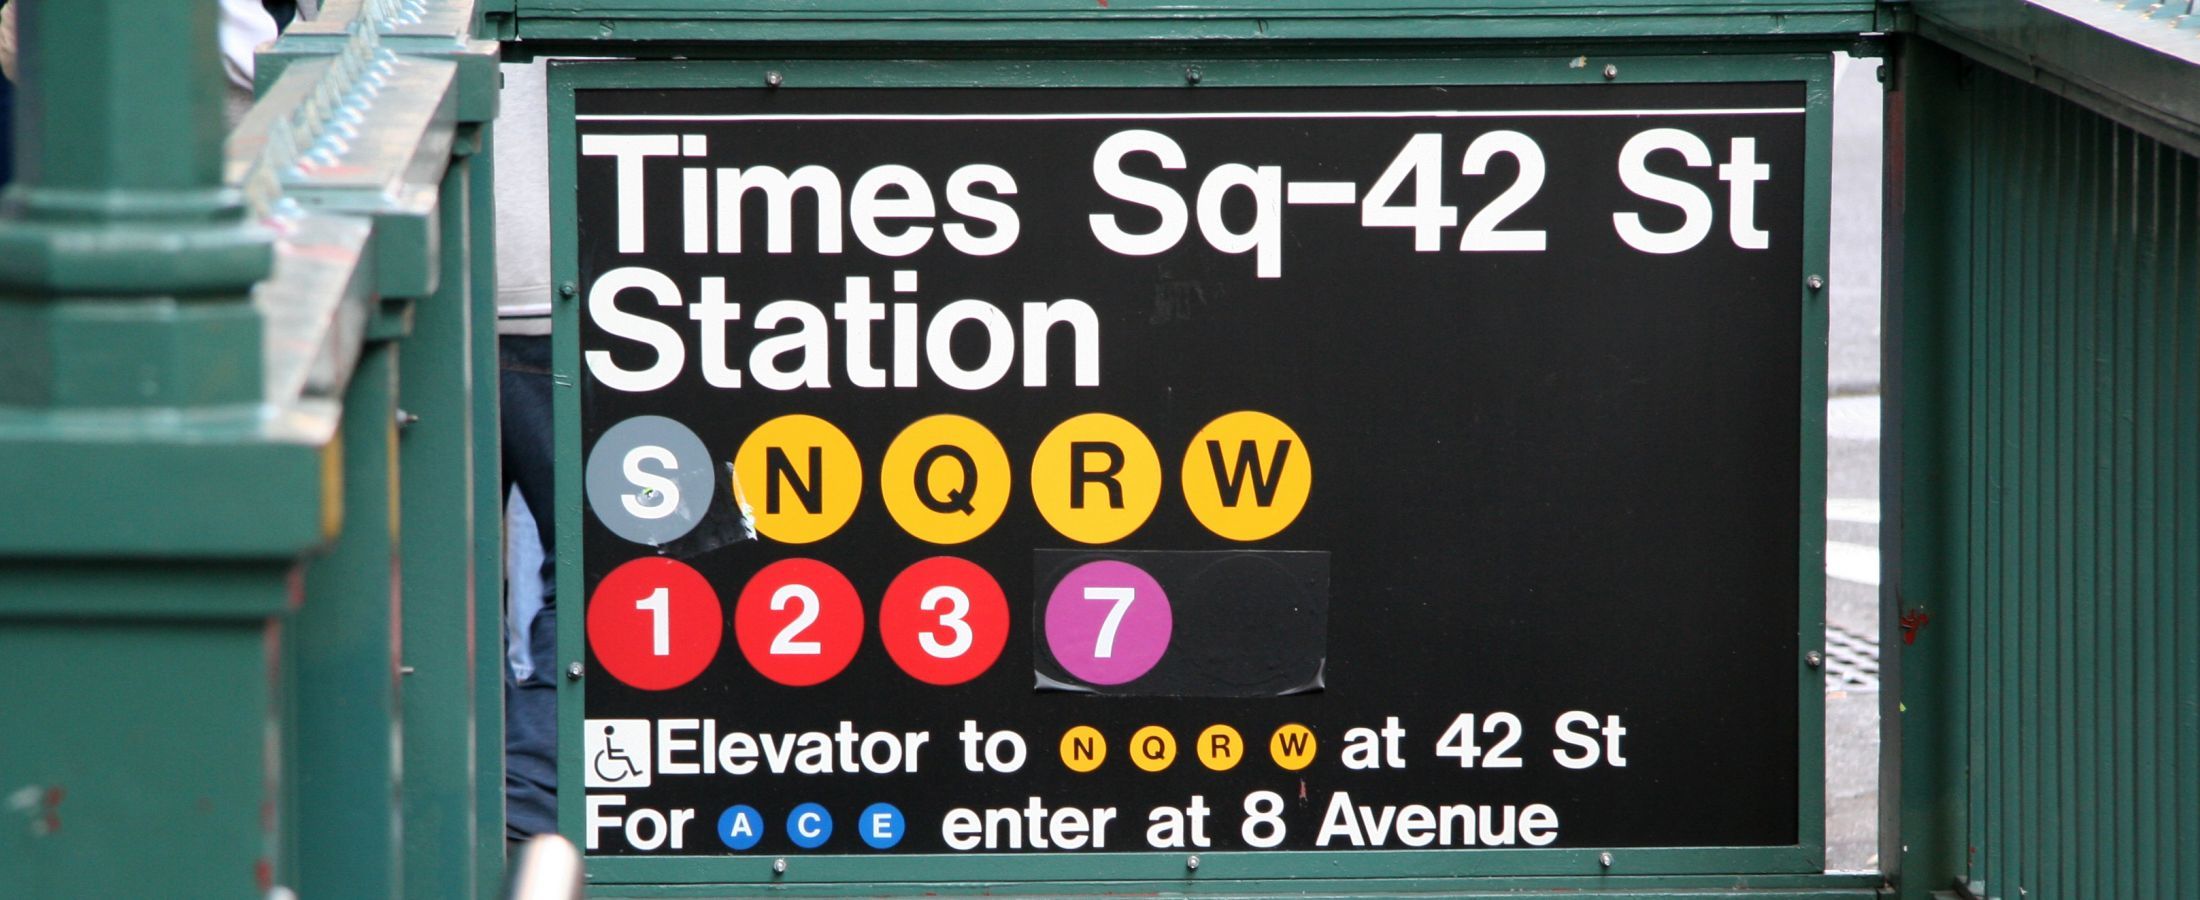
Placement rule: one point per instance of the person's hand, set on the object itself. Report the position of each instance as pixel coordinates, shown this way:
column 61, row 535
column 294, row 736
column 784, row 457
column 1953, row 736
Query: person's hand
column 7, row 40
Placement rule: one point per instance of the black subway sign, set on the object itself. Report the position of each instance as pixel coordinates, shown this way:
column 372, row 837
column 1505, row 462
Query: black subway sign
column 1086, row 471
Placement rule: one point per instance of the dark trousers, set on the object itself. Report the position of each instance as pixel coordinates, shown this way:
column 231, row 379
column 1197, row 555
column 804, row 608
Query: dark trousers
column 531, row 705
column 7, row 132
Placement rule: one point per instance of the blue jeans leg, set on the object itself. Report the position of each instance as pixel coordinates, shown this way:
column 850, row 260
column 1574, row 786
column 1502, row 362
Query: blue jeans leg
column 531, row 737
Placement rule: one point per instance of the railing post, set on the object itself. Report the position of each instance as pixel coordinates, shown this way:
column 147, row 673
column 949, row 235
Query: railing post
column 430, row 604
column 152, row 518
column 123, row 258
column 1924, row 730
column 488, row 528
column 435, row 384
column 346, row 646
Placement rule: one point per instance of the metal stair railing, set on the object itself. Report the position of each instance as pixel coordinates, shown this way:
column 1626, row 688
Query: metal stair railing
column 252, row 623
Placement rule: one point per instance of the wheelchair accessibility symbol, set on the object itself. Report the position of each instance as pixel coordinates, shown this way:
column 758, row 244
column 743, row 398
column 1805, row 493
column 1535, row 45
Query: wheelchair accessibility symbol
column 617, row 753
column 612, row 764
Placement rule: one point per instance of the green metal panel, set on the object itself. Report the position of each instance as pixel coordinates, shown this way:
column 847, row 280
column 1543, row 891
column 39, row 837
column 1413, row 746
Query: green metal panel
column 211, row 463
column 436, row 433
column 1851, row 886
column 136, row 750
column 343, row 664
column 487, row 441
column 320, row 284
column 1249, row 873
column 664, row 22
column 2049, row 486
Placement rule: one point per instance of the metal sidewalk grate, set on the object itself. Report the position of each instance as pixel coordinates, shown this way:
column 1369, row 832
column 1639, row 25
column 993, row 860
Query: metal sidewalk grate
column 1852, row 661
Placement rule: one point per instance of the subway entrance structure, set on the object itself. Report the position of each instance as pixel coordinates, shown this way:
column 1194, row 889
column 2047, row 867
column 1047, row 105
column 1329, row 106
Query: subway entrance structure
column 1223, row 448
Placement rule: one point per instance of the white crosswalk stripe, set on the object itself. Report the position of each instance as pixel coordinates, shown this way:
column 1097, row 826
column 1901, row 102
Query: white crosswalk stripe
column 1854, row 563
column 1852, row 509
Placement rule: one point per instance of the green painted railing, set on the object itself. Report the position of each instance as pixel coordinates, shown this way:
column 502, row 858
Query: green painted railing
column 249, row 583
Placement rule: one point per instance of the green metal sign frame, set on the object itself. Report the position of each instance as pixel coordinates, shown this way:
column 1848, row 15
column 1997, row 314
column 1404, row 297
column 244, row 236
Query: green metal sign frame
column 1787, row 868
column 654, row 27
